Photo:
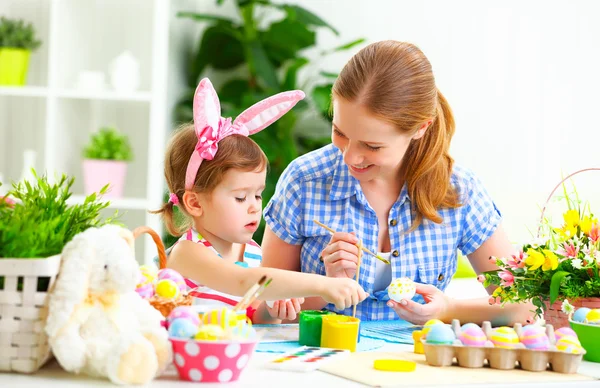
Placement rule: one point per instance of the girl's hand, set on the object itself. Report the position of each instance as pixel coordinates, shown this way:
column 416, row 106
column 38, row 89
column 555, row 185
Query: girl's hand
column 343, row 292
column 285, row 309
column 436, row 305
column 340, row 256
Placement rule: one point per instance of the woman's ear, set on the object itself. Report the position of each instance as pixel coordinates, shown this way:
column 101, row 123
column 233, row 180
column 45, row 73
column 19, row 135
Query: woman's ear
column 71, row 286
column 193, row 203
column 422, row 130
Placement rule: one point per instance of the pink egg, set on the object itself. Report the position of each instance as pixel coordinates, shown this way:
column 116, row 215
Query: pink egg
column 472, row 335
column 184, row 312
column 146, row 291
column 534, row 337
column 564, row 331
column 171, row 274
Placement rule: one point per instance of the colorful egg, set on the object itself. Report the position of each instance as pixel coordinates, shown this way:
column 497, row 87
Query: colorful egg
column 440, row 335
column 563, row 331
column 243, row 331
column 580, row 314
column 569, row 344
column 182, row 328
column 534, row 337
column 428, row 325
column 504, row 337
column 171, row 274
column 210, row 333
column 401, row 288
column 224, row 317
column 184, row 312
column 593, row 317
column 472, row 335
column 146, row 291
column 167, row 288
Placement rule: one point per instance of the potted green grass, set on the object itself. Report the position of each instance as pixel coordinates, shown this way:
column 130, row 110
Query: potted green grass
column 17, row 41
column 36, row 222
column 105, row 162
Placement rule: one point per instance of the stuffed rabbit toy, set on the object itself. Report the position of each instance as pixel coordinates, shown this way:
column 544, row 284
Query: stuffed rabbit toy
column 97, row 323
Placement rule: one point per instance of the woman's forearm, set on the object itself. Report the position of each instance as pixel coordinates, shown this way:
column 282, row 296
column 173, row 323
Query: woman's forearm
column 478, row 310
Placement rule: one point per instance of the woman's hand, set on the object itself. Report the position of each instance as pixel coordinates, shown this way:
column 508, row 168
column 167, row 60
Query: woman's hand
column 340, row 256
column 285, row 309
column 436, row 307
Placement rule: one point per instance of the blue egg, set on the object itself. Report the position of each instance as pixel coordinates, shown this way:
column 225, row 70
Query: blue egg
column 441, row 335
column 580, row 314
column 182, row 328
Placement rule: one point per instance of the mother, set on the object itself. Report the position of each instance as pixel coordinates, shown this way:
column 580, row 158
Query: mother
column 388, row 177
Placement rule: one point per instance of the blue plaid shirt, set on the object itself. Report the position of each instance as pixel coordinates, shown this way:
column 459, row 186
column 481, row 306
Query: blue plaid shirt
column 319, row 186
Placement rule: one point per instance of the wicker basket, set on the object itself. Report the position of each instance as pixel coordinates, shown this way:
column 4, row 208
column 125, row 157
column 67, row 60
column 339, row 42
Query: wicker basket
column 23, row 310
column 165, row 306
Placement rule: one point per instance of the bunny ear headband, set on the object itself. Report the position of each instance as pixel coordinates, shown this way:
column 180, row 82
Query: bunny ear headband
column 211, row 127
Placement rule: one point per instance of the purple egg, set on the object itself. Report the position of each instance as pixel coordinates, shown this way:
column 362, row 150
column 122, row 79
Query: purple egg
column 564, row 331
column 171, row 274
column 472, row 335
column 146, row 291
column 184, row 312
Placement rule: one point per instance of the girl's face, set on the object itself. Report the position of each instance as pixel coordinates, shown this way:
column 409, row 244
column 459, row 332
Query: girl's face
column 233, row 210
column 373, row 149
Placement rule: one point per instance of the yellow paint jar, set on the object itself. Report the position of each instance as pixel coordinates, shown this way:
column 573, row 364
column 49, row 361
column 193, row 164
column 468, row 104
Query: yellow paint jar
column 339, row 332
column 417, row 335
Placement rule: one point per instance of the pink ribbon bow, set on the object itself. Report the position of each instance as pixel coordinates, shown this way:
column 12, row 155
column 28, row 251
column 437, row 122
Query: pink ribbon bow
column 211, row 127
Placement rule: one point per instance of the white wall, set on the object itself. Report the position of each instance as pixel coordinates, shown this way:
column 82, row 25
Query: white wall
column 522, row 78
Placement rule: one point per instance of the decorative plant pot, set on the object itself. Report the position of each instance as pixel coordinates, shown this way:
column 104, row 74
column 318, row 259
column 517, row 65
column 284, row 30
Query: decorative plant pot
column 14, row 63
column 98, row 173
column 554, row 315
column 23, row 310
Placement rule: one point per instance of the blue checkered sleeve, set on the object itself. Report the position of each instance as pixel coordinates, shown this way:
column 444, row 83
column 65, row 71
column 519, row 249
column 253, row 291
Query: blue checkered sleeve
column 480, row 216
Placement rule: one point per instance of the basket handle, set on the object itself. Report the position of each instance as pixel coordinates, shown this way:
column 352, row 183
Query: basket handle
column 555, row 188
column 162, row 254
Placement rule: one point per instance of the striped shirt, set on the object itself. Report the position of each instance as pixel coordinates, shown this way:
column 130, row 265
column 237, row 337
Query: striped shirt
column 212, row 298
column 319, row 186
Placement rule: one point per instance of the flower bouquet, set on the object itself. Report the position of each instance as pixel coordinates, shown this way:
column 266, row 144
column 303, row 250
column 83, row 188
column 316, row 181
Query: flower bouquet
column 560, row 264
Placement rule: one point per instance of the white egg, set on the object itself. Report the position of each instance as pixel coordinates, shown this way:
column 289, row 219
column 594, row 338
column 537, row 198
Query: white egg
column 401, row 288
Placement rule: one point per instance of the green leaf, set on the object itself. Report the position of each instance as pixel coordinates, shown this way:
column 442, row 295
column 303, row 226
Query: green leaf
column 555, row 283
column 262, row 65
column 304, row 16
column 219, row 48
column 108, row 143
column 232, row 92
column 284, row 39
column 291, row 74
column 205, row 17
column 327, row 74
column 322, row 97
column 349, row 45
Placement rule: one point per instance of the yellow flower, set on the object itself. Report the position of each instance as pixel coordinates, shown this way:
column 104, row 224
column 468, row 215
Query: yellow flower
column 497, row 292
column 567, row 231
column 571, row 218
column 550, row 262
column 586, row 224
column 534, row 259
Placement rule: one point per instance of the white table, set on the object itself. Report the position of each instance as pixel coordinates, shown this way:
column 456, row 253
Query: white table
column 255, row 376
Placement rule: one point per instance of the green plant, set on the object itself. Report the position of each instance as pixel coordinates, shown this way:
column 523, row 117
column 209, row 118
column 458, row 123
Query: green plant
column 17, row 34
column 40, row 221
column 108, row 143
column 263, row 60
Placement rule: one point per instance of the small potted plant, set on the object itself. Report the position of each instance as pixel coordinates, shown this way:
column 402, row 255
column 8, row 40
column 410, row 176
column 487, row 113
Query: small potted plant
column 17, row 41
column 36, row 222
column 105, row 162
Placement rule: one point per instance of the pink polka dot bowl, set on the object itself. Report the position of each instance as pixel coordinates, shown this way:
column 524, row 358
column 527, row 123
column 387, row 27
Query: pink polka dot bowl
column 211, row 361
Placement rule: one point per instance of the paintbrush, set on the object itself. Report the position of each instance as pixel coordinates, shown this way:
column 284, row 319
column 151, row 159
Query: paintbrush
column 250, row 293
column 362, row 247
column 357, row 273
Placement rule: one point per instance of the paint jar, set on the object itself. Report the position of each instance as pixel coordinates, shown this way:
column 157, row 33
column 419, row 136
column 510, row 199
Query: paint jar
column 417, row 335
column 310, row 327
column 340, row 332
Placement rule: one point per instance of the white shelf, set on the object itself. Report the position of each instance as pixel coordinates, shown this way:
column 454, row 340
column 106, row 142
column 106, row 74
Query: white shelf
column 25, row 91
column 106, row 95
column 117, row 203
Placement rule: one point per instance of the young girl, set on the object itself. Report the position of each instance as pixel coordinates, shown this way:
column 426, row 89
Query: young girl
column 216, row 175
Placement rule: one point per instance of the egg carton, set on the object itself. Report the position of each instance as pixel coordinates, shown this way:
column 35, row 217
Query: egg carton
column 502, row 358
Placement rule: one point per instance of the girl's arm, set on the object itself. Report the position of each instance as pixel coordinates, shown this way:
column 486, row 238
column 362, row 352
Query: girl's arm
column 279, row 254
column 197, row 262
